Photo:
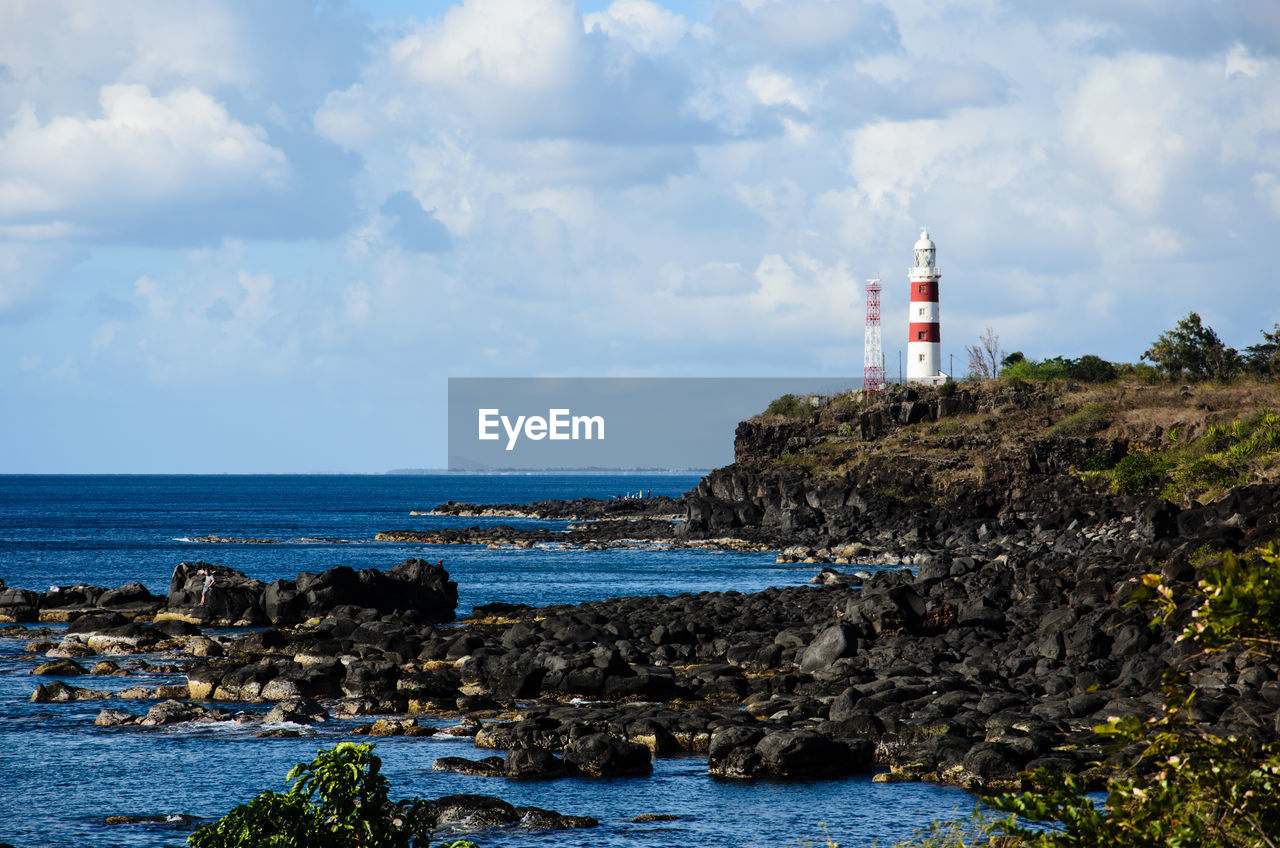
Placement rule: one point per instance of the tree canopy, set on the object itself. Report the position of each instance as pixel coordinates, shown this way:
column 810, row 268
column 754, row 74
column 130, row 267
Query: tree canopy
column 1193, row 351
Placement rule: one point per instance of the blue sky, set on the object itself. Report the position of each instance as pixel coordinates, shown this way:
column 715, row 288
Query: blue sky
column 259, row 237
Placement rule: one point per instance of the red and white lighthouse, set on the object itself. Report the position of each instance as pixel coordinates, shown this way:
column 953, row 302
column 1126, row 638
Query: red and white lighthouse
column 924, row 337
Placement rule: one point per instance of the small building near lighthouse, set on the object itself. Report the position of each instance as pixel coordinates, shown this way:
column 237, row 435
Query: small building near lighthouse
column 924, row 333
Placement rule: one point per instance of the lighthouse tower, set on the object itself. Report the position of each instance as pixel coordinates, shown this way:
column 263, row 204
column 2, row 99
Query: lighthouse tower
column 924, row 337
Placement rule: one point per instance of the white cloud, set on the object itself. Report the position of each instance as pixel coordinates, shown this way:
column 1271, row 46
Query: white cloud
column 807, row 31
column 1239, row 61
column 516, row 68
column 1136, row 119
column 774, row 89
column 141, row 150
column 646, row 26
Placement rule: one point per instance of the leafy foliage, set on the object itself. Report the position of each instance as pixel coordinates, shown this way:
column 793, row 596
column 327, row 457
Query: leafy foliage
column 1193, row 351
column 1087, row 369
column 1141, row 470
column 1263, row 358
column 1178, row 784
column 789, row 406
column 1224, row 456
column 338, row 800
column 1241, row 602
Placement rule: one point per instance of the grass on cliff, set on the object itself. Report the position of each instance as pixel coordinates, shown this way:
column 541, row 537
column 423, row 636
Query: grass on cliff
column 1224, row 456
column 1189, row 442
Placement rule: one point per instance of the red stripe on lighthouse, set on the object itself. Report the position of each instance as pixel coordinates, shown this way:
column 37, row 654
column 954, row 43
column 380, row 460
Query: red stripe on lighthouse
column 924, row 332
column 924, row 292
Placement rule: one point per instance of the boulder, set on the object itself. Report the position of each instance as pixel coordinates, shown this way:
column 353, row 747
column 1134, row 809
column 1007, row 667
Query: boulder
column 470, row 811
column 296, row 711
column 232, row 598
column 179, row 712
column 487, row 767
column 114, row 718
column 732, row 752
column 805, row 754
column 60, row 668
column 838, row 640
column 533, row 763
column 601, row 755
column 57, row 691
column 536, row 818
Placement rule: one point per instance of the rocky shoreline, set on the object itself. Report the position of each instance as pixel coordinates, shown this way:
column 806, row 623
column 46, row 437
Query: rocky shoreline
column 1008, row 638
column 971, row 671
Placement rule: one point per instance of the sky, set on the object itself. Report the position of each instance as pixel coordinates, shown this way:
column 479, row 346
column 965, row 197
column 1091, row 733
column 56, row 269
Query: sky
column 239, row 236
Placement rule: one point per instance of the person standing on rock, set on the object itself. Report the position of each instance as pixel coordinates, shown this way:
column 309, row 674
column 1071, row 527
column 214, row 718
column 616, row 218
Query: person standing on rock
column 208, row 584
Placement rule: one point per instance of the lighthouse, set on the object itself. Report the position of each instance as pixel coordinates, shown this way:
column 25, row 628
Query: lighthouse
column 924, row 335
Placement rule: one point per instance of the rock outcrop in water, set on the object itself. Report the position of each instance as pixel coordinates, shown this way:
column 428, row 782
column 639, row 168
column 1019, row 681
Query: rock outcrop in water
column 580, row 509
column 414, row 589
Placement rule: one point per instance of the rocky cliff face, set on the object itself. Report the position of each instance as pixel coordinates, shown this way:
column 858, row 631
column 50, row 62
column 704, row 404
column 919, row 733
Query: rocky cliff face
column 915, row 469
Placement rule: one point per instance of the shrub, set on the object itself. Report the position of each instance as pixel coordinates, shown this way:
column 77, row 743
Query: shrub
column 1031, row 369
column 1138, row 371
column 1140, row 471
column 949, row 388
column 1091, row 369
column 789, row 406
column 338, row 800
column 1087, row 369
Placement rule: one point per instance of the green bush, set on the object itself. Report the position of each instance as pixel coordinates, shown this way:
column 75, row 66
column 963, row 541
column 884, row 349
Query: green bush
column 1036, row 370
column 789, row 406
column 1091, row 369
column 1138, row 371
column 1140, row 471
column 1087, row 369
column 949, row 388
column 338, row 800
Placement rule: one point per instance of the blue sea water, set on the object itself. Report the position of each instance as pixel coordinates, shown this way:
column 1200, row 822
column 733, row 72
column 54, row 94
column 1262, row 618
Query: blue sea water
column 64, row 776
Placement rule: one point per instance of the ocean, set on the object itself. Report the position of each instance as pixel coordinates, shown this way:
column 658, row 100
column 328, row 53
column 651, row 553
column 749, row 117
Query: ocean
column 65, row 776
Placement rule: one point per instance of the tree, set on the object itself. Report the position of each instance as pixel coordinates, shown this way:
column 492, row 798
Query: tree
column 985, row 356
column 1091, row 369
column 1193, row 351
column 338, row 800
column 1264, row 359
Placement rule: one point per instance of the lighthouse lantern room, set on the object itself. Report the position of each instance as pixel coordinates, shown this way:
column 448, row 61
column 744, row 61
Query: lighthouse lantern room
column 924, row 337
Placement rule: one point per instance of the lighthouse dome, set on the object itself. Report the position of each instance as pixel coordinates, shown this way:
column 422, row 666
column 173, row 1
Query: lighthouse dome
column 926, row 254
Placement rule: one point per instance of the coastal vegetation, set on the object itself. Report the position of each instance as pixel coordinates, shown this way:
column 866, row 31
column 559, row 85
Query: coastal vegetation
column 1168, row 781
column 340, row 799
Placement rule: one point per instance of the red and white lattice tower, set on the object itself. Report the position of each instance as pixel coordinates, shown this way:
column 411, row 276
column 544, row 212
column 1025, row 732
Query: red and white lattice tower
column 924, row 335
column 872, row 357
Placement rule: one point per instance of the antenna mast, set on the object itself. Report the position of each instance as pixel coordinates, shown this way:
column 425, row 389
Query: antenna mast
column 872, row 358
